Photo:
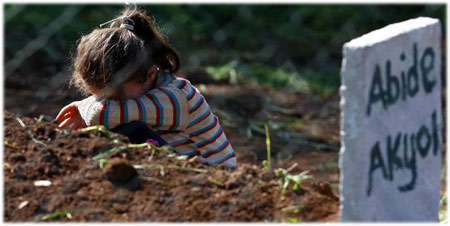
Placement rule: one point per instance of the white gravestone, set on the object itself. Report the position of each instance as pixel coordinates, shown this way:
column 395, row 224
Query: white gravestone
column 391, row 124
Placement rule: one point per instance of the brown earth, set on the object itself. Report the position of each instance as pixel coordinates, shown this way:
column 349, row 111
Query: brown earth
column 142, row 184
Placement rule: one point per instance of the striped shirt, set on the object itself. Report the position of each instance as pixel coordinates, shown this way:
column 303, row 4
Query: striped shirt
column 176, row 111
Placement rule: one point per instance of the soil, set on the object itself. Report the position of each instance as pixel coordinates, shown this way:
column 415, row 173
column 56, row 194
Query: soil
column 304, row 134
column 143, row 184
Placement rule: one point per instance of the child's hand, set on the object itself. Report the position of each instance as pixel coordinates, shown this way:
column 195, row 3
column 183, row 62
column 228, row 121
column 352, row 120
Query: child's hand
column 70, row 115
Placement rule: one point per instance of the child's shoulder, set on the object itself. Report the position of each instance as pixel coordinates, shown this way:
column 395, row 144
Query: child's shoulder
column 174, row 82
column 177, row 87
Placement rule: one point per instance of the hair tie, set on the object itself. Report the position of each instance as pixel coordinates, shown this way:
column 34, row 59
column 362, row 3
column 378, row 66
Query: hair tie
column 127, row 26
column 124, row 18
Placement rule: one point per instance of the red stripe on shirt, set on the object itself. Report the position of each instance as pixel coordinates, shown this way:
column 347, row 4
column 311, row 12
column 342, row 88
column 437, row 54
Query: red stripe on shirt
column 102, row 114
column 184, row 84
column 201, row 120
column 198, row 106
column 192, row 156
column 157, row 109
column 212, row 127
column 122, row 112
column 174, row 108
column 234, row 155
column 184, row 143
column 193, row 94
column 211, row 141
column 140, row 109
column 217, row 152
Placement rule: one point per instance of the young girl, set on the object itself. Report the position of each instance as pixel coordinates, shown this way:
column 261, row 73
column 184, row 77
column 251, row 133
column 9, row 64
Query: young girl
column 128, row 68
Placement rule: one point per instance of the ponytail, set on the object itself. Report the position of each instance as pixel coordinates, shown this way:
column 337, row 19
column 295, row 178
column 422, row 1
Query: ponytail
column 163, row 55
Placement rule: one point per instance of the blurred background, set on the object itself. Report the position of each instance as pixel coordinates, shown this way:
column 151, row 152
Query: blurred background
column 290, row 46
column 255, row 64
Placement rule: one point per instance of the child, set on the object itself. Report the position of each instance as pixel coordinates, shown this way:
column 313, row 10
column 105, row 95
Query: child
column 129, row 69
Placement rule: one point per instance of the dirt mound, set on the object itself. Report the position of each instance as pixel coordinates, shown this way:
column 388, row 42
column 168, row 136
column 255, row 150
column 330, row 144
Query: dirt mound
column 96, row 176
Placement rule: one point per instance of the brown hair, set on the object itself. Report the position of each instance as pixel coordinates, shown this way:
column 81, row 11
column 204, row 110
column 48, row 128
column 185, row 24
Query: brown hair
column 106, row 58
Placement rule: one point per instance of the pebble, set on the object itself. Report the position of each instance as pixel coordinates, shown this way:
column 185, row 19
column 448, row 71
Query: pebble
column 22, row 204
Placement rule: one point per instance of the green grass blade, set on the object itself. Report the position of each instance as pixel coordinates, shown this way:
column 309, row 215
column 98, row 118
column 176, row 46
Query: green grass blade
column 116, row 149
column 59, row 213
column 294, row 209
column 218, row 183
column 266, row 127
column 188, row 169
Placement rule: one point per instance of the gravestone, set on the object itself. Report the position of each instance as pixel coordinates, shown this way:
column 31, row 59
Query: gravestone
column 391, row 124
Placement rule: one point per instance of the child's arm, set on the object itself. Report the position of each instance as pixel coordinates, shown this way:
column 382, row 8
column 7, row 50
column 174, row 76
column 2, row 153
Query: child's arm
column 162, row 108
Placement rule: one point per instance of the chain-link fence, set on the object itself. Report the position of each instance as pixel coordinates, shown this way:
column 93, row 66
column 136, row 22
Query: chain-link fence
column 292, row 46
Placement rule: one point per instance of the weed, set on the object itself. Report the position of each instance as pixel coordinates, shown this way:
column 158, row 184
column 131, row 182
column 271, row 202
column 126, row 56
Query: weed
column 29, row 133
column 216, row 182
column 188, row 169
column 290, row 219
column 193, row 158
column 443, row 209
column 62, row 131
column 100, row 128
column 161, row 167
column 11, row 145
column 177, row 156
column 267, row 164
column 40, row 119
column 103, row 154
column 68, row 213
column 148, row 145
column 293, row 137
column 294, row 209
column 286, row 179
column 102, row 163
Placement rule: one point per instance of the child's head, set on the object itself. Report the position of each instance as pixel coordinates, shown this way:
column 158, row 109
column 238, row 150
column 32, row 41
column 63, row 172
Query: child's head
column 111, row 59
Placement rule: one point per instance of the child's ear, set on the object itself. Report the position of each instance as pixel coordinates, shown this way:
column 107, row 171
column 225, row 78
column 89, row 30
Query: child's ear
column 151, row 74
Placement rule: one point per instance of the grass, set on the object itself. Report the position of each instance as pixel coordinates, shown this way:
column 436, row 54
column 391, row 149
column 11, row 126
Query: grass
column 113, row 150
column 293, row 137
column 117, row 141
column 216, row 182
column 29, row 133
column 54, row 215
column 294, row 209
column 100, row 128
column 443, row 216
column 102, row 163
column 290, row 219
column 161, row 167
column 188, row 169
column 40, row 119
column 286, row 178
column 11, row 145
column 267, row 165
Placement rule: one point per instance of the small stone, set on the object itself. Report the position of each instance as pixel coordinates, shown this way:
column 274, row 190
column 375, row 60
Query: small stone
column 42, row 183
column 121, row 172
column 22, row 204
